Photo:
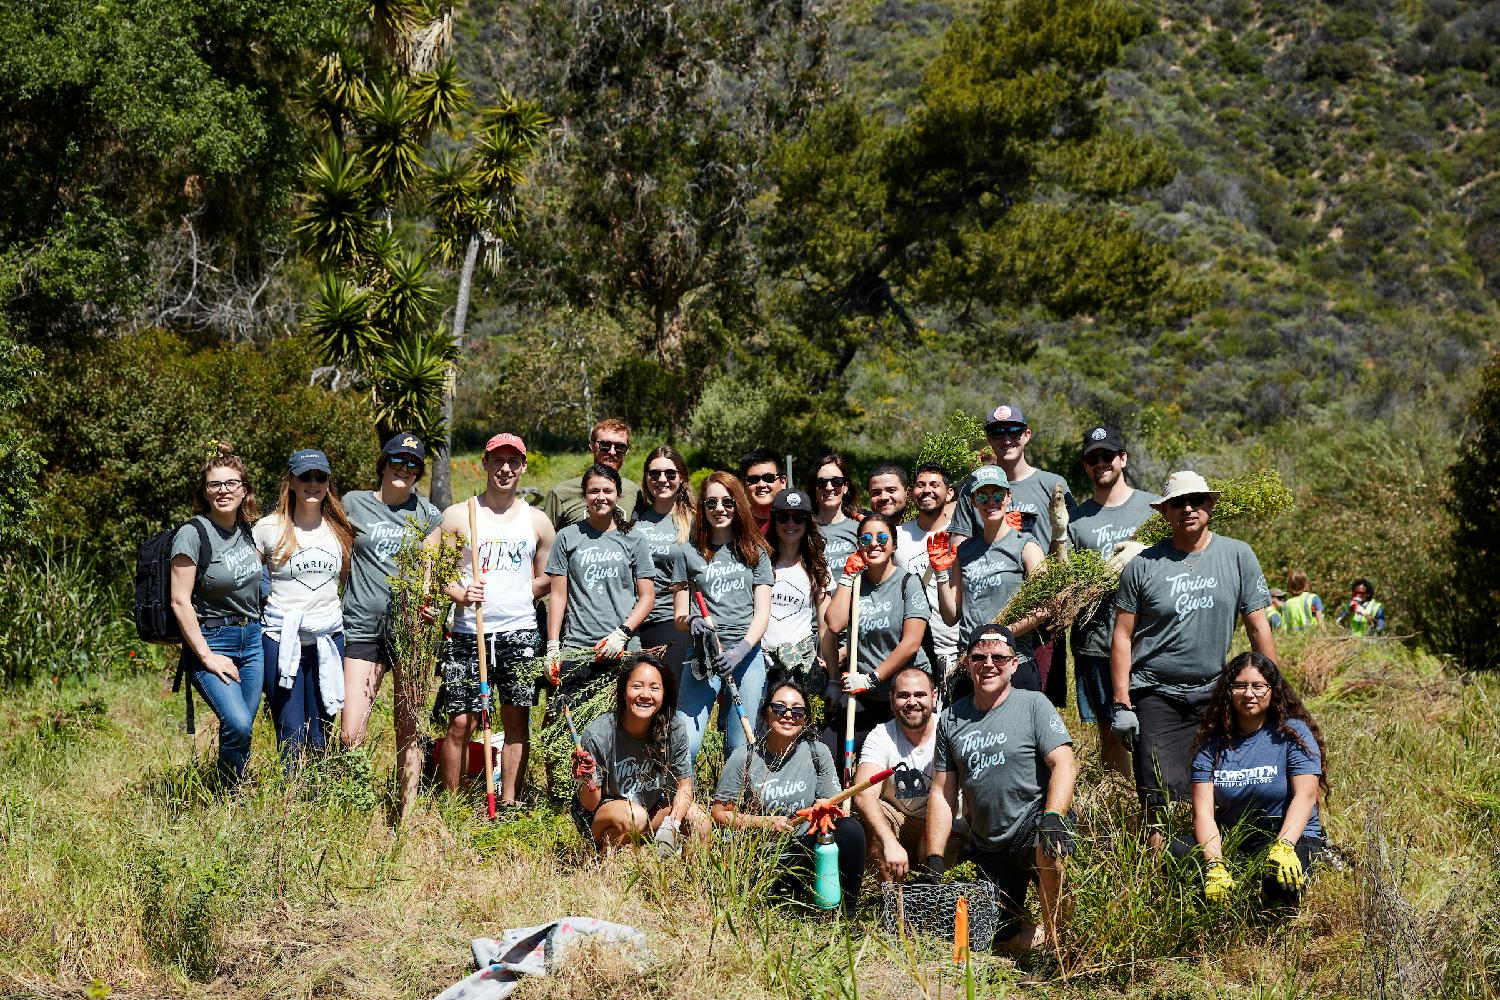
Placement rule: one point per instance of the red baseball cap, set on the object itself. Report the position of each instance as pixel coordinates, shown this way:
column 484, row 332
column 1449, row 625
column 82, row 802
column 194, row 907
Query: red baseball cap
column 504, row 440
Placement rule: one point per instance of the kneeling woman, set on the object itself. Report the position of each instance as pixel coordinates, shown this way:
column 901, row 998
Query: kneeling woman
column 764, row 785
column 634, row 770
column 1256, row 778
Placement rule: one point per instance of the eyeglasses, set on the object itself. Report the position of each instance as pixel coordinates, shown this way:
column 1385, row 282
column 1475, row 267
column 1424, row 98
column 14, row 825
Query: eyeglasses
column 405, row 463
column 227, row 485
column 879, row 538
column 1000, row 658
column 1102, row 455
column 796, row 712
column 612, row 447
column 1196, row 500
column 670, row 475
column 989, row 499
column 1005, row 430
column 764, row 477
column 1254, row 687
column 830, row 482
column 714, row 503
column 790, row 517
column 313, row 476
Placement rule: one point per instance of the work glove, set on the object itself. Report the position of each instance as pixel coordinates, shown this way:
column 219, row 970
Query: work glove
column 853, row 566
column 1123, row 553
column 1056, row 835
column 697, row 624
column 1014, row 519
column 1217, row 882
column 554, row 661
column 584, row 765
column 726, row 661
column 1057, row 512
column 1126, row 725
column 667, row 837
column 933, row 870
column 940, row 553
column 612, row 646
column 857, row 681
column 1287, row 866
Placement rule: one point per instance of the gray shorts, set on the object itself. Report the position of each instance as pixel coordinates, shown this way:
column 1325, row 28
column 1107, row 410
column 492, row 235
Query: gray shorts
column 508, row 665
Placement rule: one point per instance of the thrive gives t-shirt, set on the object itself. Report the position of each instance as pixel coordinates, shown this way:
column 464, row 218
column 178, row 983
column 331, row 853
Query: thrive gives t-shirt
column 1252, row 776
column 629, row 768
column 727, row 584
column 883, row 611
column 378, row 528
column 308, row 581
column 660, row 533
column 907, row 789
column 1097, row 527
column 807, row 776
column 602, row 568
column 1185, row 605
column 1000, row 760
column 793, row 606
column 839, row 542
column 230, row 584
column 1030, row 496
column 990, row 575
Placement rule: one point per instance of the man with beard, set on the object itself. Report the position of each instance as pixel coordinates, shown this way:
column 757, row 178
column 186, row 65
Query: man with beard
column 931, row 494
column 888, row 491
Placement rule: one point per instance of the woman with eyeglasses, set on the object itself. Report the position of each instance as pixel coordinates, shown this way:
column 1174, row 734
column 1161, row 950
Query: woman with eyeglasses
column 216, row 601
column 305, row 545
column 664, row 517
column 1257, row 775
column 728, row 563
column 991, row 567
column 763, row 785
column 799, row 597
column 836, row 508
column 380, row 518
column 893, row 613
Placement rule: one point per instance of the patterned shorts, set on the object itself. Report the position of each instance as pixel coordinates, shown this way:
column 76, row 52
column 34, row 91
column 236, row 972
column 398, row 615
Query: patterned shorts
column 508, row 665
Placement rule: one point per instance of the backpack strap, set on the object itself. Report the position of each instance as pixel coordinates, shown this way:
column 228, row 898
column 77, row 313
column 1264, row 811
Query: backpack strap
column 205, row 553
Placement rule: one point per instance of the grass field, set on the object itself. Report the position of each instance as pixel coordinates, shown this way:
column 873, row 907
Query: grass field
column 122, row 870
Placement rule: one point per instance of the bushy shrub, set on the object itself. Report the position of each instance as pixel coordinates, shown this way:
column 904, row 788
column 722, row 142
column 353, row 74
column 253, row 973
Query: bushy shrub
column 1342, row 62
column 60, row 617
column 19, row 463
column 736, row 414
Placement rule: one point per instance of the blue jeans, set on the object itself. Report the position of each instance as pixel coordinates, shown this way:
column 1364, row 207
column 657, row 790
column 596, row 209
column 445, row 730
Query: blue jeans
column 234, row 702
column 697, row 700
column 301, row 724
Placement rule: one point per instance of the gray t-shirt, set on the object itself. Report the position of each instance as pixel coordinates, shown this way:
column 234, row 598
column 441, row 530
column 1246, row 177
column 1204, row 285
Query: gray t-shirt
column 839, row 541
column 1097, row 527
column 660, row 533
column 1031, row 496
column 1185, row 606
column 727, row 584
column 883, row 611
column 1000, row 760
column 230, row 584
column 807, row 776
column 990, row 575
column 629, row 769
column 602, row 568
column 378, row 529
column 564, row 504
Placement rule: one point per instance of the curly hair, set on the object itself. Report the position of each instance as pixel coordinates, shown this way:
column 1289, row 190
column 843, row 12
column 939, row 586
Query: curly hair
column 1218, row 728
column 810, row 553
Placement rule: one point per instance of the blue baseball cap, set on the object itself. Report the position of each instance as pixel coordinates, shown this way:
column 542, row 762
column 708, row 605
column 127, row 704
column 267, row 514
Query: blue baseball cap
column 405, row 443
column 1002, row 415
column 308, row 460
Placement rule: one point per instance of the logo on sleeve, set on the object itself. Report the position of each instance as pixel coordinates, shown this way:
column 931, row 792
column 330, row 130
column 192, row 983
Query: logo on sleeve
column 1056, row 725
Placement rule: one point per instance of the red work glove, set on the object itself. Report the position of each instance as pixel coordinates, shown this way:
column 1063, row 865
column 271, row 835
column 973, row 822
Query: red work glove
column 940, row 552
column 584, row 766
column 855, row 564
column 1013, row 518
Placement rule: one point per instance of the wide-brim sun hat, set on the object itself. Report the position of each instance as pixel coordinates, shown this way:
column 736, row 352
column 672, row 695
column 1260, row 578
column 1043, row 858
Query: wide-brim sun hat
column 1182, row 484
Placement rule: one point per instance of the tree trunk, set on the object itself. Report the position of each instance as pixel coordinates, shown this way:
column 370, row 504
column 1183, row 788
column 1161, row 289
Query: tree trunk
column 442, row 459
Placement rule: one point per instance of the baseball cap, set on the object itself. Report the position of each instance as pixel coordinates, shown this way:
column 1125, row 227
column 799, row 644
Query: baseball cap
column 989, row 475
column 1278, row 592
column 1005, row 413
column 308, row 460
column 405, row 443
column 503, row 440
column 792, row 500
column 1183, row 483
column 993, row 633
column 1103, row 436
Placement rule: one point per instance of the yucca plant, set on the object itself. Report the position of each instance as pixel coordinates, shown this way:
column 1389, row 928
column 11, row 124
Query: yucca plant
column 339, row 322
column 335, row 223
column 388, row 144
column 408, row 378
column 437, row 97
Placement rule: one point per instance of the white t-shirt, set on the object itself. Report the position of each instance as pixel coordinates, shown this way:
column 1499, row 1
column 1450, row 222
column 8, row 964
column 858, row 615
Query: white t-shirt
column 908, row 788
column 911, row 554
column 792, row 607
column 309, row 579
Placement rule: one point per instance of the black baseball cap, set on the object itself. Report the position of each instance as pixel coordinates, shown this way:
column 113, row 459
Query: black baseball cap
column 993, row 633
column 406, row 443
column 1102, row 436
column 792, row 500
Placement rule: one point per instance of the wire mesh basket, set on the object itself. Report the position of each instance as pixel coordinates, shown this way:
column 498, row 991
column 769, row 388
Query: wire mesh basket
column 928, row 909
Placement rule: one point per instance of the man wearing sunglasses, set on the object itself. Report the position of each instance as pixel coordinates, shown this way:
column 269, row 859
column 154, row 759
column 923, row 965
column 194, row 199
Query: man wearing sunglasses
column 608, row 443
column 1100, row 523
column 1175, row 614
column 1007, row 751
column 761, row 472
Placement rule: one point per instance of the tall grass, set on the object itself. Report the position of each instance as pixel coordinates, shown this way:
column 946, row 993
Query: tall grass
column 61, row 617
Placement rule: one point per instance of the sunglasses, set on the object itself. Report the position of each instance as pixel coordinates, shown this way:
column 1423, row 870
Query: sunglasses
column 879, row 538
column 1102, row 455
column 796, row 712
column 1005, row 430
column 999, row 658
column 830, row 482
column 612, row 447
column 313, row 477
column 764, row 477
column 989, row 499
column 405, row 463
column 670, row 475
column 1195, row 500
column 790, row 517
column 714, row 503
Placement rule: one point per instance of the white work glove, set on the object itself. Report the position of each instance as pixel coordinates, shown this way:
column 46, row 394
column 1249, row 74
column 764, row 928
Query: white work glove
column 554, row 661
column 667, row 837
column 1057, row 512
column 857, row 681
column 1123, row 553
column 612, row 646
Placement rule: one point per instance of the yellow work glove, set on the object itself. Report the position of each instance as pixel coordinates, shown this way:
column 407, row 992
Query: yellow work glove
column 1288, row 867
column 1217, row 882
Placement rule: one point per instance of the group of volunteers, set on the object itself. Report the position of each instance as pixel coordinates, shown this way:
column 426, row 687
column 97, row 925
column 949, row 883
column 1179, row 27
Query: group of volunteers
column 779, row 605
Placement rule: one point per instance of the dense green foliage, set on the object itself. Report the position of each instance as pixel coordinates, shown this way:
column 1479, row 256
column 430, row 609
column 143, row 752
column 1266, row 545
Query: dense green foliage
column 64, row 618
column 20, row 465
column 1471, row 589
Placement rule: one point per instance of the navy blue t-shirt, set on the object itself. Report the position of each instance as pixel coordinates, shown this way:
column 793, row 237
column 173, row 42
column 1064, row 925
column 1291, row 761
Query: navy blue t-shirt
column 1252, row 778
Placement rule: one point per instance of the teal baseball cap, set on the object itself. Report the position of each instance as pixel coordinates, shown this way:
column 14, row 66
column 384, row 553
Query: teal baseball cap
column 989, row 475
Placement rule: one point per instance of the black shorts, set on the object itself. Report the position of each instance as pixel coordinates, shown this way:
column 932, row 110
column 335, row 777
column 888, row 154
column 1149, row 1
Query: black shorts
column 372, row 650
column 1164, row 754
column 509, row 666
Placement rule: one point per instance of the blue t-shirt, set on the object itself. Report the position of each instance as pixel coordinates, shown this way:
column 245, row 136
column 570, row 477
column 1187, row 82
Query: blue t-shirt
column 1253, row 776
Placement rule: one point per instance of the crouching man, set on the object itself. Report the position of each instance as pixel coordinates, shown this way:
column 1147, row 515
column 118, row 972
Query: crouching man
column 1009, row 754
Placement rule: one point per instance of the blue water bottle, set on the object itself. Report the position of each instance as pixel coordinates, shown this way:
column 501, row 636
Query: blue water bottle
column 827, row 893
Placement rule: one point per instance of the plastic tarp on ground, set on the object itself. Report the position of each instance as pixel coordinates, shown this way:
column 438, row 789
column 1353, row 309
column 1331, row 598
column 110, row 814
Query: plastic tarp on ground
column 538, row 951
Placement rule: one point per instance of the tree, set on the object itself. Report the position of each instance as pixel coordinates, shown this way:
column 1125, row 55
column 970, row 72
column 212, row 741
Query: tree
column 1466, row 603
column 20, row 465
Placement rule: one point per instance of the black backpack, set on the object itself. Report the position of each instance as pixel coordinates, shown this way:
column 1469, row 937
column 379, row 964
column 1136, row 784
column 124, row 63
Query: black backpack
column 154, row 621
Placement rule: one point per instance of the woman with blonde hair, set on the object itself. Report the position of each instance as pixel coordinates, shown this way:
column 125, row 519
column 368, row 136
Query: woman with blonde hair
column 1303, row 609
column 306, row 546
column 664, row 517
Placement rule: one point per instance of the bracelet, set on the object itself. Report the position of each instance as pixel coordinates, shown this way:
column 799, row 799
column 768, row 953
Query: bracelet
column 941, row 575
column 846, row 580
column 1053, row 812
column 629, row 632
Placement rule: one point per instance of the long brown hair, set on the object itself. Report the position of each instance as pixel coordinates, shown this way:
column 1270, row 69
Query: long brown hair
column 748, row 544
column 1218, row 727
column 682, row 506
column 333, row 513
column 225, row 458
column 850, row 503
column 809, row 551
